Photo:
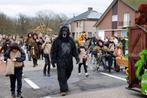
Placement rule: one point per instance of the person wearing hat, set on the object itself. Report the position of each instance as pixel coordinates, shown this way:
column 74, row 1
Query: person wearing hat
column 17, row 56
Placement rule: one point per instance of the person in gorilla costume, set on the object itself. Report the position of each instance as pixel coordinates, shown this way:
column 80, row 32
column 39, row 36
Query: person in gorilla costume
column 62, row 52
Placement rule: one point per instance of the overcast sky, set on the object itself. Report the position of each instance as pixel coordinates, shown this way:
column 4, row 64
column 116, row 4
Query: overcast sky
column 68, row 7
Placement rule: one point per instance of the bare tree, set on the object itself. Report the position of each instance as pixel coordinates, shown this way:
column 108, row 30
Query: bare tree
column 24, row 24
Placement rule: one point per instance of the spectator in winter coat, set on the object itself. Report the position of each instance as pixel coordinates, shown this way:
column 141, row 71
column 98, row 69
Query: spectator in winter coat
column 17, row 56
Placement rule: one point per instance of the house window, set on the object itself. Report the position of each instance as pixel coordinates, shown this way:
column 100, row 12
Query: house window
column 114, row 18
column 80, row 24
column 114, row 25
column 90, row 34
column 73, row 35
column 77, row 24
column 126, row 21
column 76, row 35
column 124, row 33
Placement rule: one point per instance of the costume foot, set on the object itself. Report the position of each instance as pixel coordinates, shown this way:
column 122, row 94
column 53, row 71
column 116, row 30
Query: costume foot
column 63, row 93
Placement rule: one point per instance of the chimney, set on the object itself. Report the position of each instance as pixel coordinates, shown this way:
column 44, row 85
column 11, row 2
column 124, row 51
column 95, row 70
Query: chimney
column 90, row 8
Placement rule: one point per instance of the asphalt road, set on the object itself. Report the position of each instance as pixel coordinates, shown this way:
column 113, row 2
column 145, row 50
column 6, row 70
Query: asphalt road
column 99, row 84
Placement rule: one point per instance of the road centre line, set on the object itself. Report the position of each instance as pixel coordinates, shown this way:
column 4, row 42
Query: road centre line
column 116, row 77
column 32, row 84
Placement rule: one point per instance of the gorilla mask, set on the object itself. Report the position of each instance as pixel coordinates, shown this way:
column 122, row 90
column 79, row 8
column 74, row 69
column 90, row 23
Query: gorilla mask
column 64, row 32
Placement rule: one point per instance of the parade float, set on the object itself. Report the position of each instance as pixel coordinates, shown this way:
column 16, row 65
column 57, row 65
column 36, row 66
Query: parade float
column 137, row 47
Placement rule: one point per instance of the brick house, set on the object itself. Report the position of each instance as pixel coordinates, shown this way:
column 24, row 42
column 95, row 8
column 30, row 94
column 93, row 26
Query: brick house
column 83, row 22
column 117, row 17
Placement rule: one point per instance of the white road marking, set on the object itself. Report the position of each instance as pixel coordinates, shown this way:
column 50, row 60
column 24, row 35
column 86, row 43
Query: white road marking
column 47, row 97
column 116, row 77
column 32, row 84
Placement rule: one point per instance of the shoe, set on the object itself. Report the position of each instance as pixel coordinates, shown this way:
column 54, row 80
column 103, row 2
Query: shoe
column 13, row 95
column 35, row 65
column 63, row 93
column 19, row 95
column 44, row 73
column 79, row 74
column 67, row 90
column 97, row 68
column 86, row 74
column 109, row 70
column 48, row 75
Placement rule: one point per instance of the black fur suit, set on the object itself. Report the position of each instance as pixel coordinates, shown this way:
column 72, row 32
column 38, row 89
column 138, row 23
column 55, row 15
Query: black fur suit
column 62, row 52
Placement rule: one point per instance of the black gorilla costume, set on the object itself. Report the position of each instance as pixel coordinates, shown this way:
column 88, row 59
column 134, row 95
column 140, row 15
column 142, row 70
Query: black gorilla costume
column 62, row 52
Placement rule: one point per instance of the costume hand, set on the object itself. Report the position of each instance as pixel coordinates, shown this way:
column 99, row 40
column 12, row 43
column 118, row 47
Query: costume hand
column 54, row 64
